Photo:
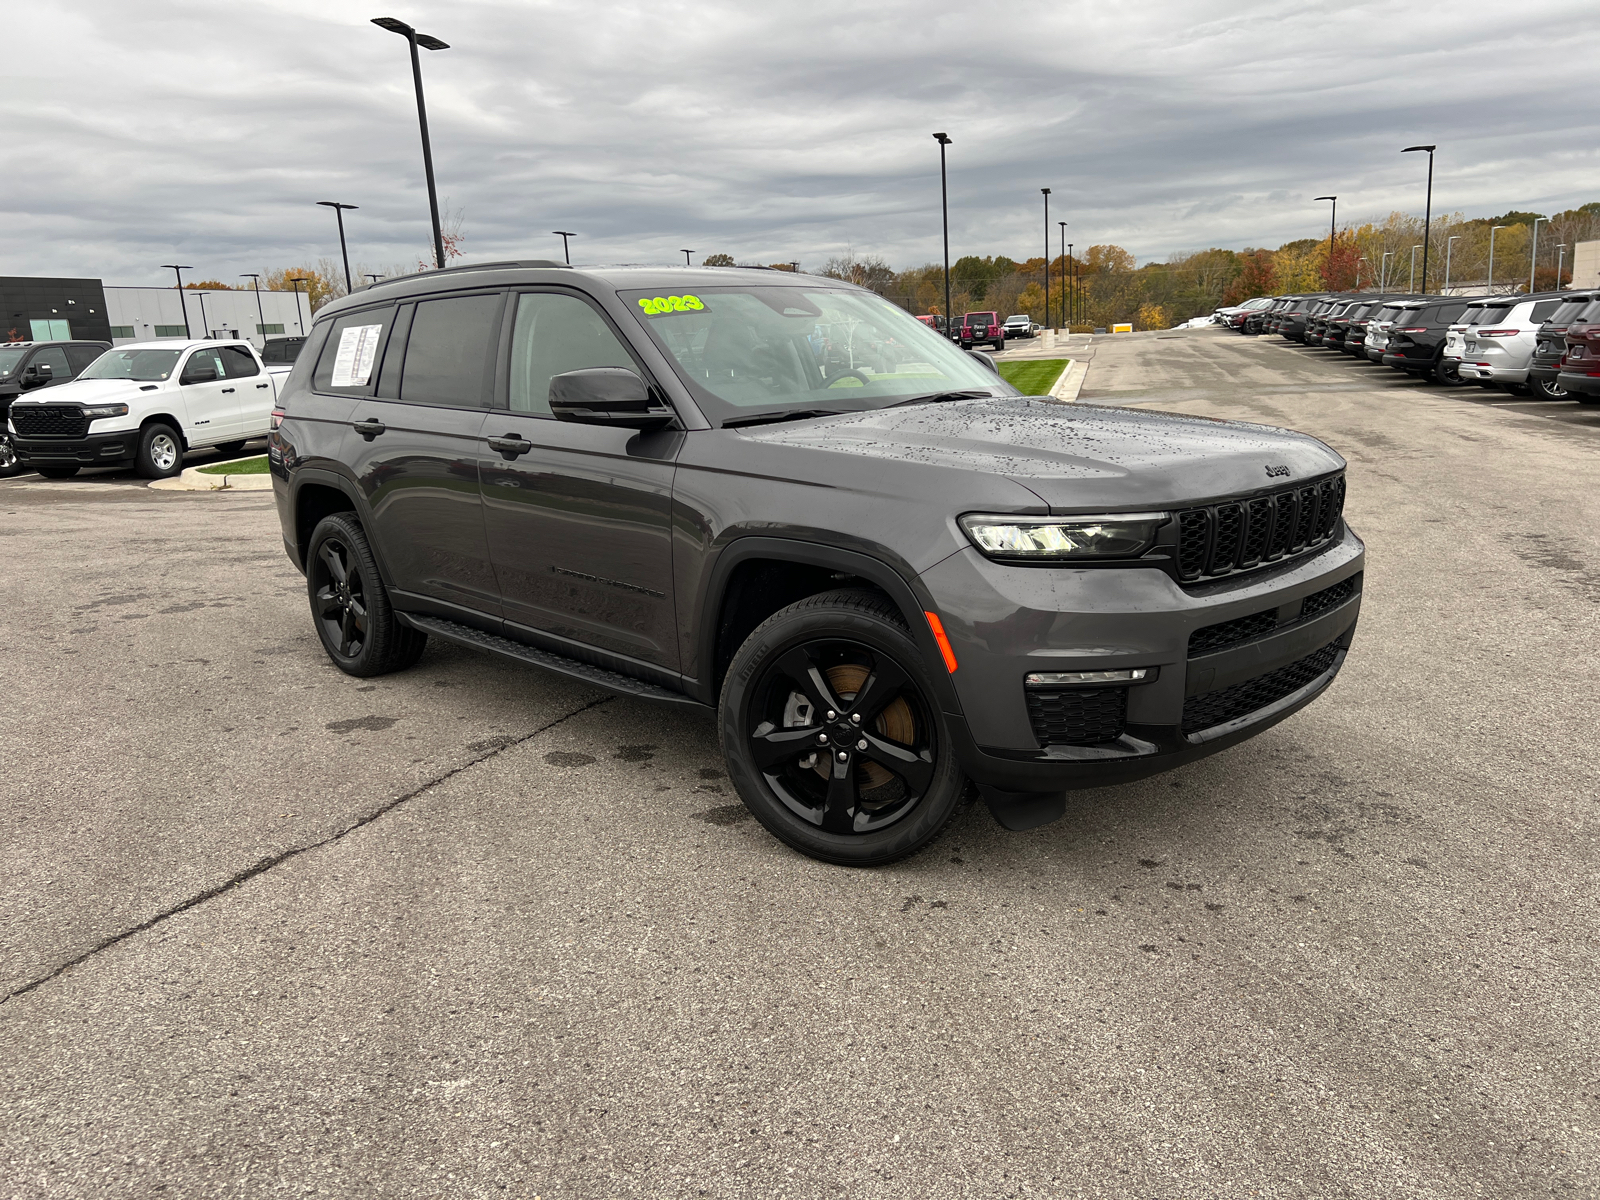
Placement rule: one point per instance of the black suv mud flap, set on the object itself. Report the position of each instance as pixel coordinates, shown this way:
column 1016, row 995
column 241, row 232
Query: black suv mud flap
column 1023, row 810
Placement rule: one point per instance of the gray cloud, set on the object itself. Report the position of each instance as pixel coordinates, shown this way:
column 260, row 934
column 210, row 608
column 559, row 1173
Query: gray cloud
column 178, row 128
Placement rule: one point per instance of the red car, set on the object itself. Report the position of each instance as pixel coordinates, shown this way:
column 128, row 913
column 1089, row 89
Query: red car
column 982, row 327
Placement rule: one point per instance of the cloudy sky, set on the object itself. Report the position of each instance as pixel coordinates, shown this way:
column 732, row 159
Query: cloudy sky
column 203, row 133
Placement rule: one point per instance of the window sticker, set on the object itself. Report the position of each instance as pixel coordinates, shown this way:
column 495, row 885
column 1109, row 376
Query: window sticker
column 358, row 346
column 658, row 306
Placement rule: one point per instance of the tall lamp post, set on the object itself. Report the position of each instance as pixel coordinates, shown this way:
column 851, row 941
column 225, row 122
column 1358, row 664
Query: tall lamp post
column 1066, row 318
column 1533, row 259
column 1046, row 192
column 429, row 42
column 373, row 277
column 1449, row 245
column 1412, row 286
column 339, row 211
column 1493, row 229
column 1383, row 271
column 1072, row 288
column 564, row 234
column 205, row 325
column 944, row 205
column 795, row 267
column 1427, row 212
column 180, row 269
column 256, row 280
column 1359, row 261
column 1561, row 258
column 1332, row 219
column 686, row 261
column 299, row 323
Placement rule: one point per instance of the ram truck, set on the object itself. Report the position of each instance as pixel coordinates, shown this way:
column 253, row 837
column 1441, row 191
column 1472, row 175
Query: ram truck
column 144, row 405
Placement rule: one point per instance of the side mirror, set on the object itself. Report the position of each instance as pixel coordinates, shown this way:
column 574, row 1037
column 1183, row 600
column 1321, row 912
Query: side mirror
column 38, row 375
column 606, row 396
column 985, row 360
column 199, row 375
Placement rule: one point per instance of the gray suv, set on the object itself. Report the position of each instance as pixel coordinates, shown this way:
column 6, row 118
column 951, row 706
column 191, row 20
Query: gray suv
column 786, row 503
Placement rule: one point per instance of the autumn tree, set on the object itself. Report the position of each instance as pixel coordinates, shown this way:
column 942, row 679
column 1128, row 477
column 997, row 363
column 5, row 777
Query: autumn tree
column 717, row 260
column 208, row 285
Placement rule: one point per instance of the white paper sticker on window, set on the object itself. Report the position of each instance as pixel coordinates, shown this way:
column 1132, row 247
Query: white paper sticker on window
column 358, row 347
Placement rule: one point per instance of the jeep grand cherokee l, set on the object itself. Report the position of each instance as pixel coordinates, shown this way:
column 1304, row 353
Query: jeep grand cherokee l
column 881, row 580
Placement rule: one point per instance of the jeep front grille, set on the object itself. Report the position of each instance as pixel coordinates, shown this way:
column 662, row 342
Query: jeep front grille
column 1239, row 535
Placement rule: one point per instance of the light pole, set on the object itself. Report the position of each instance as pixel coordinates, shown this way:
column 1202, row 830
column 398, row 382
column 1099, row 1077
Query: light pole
column 795, row 267
column 373, row 277
column 205, row 325
column 427, row 41
column 686, row 261
column 564, row 234
column 1412, row 286
column 1383, row 271
column 180, row 269
column 1359, row 261
column 1561, row 258
column 944, row 205
column 1427, row 212
column 299, row 323
column 256, row 280
column 1492, row 230
column 1448, row 247
column 1046, row 192
column 1333, row 215
column 339, row 211
column 1072, row 286
column 1067, row 319
column 1533, row 258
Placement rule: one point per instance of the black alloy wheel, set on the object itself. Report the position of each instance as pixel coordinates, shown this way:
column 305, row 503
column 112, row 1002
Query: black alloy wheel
column 832, row 735
column 1446, row 372
column 351, row 609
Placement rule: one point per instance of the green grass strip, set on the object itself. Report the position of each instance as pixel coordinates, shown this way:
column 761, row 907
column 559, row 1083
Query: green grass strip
column 1033, row 376
column 246, row 466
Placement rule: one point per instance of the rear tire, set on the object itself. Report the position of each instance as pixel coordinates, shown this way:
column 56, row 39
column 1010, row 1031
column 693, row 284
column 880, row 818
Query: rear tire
column 57, row 472
column 350, row 606
column 1445, row 372
column 160, row 453
column 1514, row 389
column 1548, row 389
column 795, row 754
column 229, row 449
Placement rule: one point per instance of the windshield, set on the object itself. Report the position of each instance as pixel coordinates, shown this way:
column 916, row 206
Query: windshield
column 9, row 359
column 743, row 349
column 144, row 365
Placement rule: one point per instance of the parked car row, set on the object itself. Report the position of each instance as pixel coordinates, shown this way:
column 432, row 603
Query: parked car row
column 1546, row 342
column 141, row 404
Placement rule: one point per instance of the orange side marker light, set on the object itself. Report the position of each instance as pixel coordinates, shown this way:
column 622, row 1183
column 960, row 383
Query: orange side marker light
column 944, row 643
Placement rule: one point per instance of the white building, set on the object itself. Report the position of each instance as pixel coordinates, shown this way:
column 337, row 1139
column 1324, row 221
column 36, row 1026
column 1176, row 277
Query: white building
column 144, row 313
column 1585, row 265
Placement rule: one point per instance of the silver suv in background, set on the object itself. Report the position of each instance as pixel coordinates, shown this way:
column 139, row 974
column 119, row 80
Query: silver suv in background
column 1019, row 326
column 1378, row 325
column 1493, row 342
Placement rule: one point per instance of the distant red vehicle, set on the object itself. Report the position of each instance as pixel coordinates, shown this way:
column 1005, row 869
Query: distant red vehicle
column 934, row 320
column 982, row 327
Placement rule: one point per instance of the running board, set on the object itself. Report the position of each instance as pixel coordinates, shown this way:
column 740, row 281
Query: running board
column 572, row 668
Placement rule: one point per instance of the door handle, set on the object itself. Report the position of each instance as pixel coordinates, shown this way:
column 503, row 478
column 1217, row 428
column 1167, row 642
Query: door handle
column 225, row 391
column 369, row 428
column 261, row 385
column 510, row 446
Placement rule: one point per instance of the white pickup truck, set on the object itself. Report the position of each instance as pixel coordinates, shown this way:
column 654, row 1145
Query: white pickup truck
column 144, row 404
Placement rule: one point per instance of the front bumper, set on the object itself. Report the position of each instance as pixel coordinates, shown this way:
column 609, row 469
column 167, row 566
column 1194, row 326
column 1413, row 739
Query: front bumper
column 1005, row 622
column 108, row 449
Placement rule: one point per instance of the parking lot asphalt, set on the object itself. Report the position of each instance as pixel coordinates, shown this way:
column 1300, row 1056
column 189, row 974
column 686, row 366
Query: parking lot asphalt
column 475, row 931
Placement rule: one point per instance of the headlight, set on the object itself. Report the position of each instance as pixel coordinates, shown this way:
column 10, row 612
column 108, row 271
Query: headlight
column 106, row 410
column 1117, row 535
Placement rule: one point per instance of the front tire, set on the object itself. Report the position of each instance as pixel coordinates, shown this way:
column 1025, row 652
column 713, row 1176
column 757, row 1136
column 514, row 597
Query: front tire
column 832, row 733
column 350, row 606
column 160, row 453
column 9, row 463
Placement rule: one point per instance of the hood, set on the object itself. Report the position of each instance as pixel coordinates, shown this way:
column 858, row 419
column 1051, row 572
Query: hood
column 84, row 391
column 1076, row 458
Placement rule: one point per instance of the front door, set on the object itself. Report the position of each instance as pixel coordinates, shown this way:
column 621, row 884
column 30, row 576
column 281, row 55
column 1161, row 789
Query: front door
column 415, row 440
column 578, row 516
column 211, row 404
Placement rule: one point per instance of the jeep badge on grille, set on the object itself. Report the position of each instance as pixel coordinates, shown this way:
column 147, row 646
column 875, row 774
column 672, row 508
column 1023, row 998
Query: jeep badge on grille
column 1276, row 471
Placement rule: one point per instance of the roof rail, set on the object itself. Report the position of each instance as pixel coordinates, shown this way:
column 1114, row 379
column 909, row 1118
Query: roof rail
column 488, row 266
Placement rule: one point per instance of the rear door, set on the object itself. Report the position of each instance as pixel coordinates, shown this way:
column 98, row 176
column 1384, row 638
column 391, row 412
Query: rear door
column 415, row 438
column 578, row 516
column 253, row 393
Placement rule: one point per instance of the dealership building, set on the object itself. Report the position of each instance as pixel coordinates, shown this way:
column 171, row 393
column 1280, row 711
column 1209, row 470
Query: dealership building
column 38, row 309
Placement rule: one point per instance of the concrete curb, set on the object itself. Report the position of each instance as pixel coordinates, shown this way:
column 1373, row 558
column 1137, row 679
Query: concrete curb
column 192, row 480
column 1070, row 383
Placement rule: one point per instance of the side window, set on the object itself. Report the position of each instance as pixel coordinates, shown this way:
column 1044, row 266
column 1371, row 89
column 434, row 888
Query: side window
column 554, row 334
column 345, row 366
column 238, row 362
column 201, row 359
column 81, row 356
column 56, row 358
column 1543, row 309
column 449, row 356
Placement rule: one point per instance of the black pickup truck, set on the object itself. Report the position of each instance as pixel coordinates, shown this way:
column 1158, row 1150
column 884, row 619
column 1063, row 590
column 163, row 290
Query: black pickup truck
column 880, row 581
column 25, row 367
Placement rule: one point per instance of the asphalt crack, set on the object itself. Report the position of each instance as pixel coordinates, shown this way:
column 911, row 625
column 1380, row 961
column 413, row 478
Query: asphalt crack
column 262, row 866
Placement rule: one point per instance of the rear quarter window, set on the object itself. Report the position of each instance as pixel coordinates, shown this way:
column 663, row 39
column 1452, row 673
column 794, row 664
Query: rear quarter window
column 1543, row 309
column 349, row 357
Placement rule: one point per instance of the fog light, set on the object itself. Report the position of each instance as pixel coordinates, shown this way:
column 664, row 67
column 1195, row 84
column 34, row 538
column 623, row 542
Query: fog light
column 1057, row 678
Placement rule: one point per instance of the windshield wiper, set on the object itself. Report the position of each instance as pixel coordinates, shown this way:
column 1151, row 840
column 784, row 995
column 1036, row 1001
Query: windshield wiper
column 940, row 397
column 781, row 414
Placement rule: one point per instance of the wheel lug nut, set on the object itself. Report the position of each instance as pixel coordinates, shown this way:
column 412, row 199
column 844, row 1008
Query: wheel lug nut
column 862, row 744
column 855, row 718
column 832, row 714
column 822, row 739
column 843, row 756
